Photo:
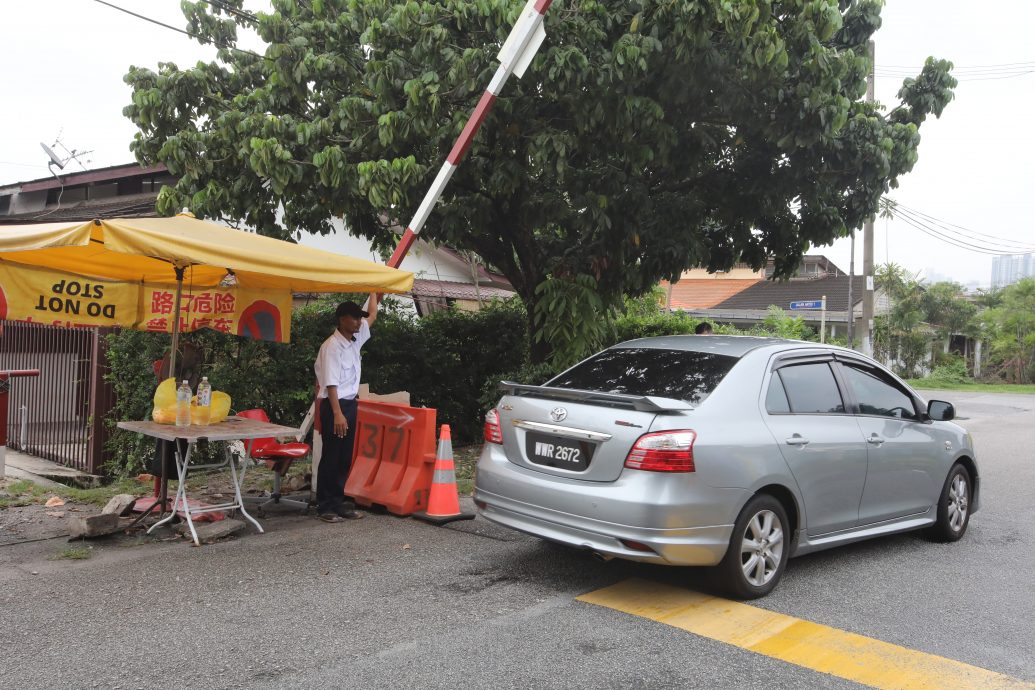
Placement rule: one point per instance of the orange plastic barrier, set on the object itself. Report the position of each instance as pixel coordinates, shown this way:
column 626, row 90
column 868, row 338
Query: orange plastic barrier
column 393, row 461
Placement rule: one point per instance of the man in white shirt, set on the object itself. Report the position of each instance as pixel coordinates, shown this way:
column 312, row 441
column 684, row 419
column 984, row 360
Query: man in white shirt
column 338, row 369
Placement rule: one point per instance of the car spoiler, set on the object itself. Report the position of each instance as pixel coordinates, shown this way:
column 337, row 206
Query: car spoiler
column 643, row 403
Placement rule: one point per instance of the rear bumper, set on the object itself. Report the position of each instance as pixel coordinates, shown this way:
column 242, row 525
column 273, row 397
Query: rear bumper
column 682, row 521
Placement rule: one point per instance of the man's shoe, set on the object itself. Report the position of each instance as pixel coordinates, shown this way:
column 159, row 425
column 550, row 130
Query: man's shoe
column 349, row 514
column 331, row 517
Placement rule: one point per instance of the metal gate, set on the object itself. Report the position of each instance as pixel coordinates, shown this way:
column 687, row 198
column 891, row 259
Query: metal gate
column 60, row 415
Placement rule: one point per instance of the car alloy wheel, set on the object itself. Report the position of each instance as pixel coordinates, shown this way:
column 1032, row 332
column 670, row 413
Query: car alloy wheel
column 761, row 549
column 953, row 506
column 959, row 490
column 758, row 549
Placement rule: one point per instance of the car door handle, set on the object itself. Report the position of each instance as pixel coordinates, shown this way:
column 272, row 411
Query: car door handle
column 796, row 440
column 875, row 439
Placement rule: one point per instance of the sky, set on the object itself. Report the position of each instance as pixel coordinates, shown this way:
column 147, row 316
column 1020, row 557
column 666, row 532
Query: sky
column 63, row 60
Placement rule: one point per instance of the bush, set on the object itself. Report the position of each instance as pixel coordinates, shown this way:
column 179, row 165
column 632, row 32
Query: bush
column 951, row 372
column 443, row 360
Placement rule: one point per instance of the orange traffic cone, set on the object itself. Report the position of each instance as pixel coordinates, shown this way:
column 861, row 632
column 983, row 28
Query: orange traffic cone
column 443, row 501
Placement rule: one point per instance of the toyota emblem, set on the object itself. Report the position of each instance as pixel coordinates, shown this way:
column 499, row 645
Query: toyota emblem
column 558, row 414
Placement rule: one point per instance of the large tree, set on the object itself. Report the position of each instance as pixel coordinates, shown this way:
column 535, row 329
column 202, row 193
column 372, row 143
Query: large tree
column 647, row 136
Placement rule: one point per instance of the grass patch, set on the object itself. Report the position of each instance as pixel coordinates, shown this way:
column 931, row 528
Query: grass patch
column 100, row 495
column 26, row 493
column 973, row 386
column 464, row 461
column 23, row 493
column 74, row 553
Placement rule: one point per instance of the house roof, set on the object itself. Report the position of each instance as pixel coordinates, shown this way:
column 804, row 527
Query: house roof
column 701, row 293
column 71, row 179
column 443, row 289
column 130, row 205
column 766, row 292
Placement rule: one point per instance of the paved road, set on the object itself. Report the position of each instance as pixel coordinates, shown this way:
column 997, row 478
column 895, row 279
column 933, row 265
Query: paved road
column 396, row 603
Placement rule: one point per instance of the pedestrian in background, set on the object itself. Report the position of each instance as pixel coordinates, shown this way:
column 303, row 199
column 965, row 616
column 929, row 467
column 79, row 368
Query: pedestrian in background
column 338, row 369
column 703, row 328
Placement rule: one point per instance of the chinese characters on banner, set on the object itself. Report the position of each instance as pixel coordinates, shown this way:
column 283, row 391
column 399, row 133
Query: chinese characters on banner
column 62, row 299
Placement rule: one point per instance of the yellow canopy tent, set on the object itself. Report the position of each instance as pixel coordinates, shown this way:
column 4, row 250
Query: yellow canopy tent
column 119, row 272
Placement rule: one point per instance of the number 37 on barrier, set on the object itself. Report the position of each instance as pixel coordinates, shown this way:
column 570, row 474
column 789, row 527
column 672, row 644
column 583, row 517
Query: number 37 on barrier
column 372, row 439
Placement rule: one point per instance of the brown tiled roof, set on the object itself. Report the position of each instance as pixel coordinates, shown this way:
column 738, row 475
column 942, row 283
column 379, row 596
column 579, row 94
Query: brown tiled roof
column 130, row 205
column 766, row 292
column 693, row 293
column 450, row 290
column 82, row 177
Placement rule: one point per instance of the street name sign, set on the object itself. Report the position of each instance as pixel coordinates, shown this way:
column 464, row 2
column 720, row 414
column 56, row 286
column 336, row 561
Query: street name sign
column 807, row 304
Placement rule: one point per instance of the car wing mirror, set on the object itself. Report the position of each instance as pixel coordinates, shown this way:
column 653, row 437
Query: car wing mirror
column 941, row 411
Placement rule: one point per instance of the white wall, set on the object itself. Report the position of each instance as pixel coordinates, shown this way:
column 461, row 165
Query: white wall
column 423, row 260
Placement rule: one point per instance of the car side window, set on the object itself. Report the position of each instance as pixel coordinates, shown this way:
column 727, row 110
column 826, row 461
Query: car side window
column 811, row 389
column 877, row 396
column 776, row 397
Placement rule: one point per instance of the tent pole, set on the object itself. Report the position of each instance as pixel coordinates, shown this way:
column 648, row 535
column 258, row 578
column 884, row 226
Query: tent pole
column 176, row 323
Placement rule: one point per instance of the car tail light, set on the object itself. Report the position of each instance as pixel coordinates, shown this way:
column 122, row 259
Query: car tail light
column 666, row 451
column 493, row 432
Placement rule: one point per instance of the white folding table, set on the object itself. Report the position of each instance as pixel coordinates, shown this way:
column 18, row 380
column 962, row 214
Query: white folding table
column 229, row 430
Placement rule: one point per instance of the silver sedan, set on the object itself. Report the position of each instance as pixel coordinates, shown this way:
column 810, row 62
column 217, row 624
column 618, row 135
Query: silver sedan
column 733, row 452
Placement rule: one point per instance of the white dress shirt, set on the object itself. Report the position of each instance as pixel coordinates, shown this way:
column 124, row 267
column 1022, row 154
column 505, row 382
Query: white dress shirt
column 338, row 363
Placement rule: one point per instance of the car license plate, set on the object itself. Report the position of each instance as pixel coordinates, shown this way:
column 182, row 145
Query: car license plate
column 563, row 453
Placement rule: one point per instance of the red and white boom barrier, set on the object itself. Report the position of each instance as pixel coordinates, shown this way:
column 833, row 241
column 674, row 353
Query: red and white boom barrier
column 515, row 55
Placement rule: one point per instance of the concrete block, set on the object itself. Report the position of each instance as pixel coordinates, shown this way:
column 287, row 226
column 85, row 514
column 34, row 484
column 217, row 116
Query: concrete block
column 120, row 505
column 93, row 525
column 209, row 532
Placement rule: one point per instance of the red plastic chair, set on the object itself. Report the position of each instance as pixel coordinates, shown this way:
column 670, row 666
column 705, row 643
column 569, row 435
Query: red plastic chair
column 278, row 457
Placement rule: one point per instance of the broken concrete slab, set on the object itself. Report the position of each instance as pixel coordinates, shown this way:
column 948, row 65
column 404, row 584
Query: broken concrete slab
column 92, row 526
column 209, row 532
column 120, row 505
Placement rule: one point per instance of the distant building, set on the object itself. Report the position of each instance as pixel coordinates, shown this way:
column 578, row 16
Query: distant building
column 1009, row 268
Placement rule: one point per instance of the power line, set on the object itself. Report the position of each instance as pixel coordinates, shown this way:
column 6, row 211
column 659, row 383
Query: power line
column 965, row 231
column 185, row 33
column 957, row 240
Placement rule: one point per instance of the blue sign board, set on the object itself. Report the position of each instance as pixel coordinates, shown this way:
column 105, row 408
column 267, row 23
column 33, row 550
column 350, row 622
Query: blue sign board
column 807, row 304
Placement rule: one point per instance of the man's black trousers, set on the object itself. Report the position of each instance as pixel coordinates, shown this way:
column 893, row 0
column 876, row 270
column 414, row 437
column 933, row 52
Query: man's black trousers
column 336, row 457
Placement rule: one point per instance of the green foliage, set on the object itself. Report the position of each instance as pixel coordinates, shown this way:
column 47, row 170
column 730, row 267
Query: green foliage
column 571, row 316
column 534, row 374
column 952, row 372
column 445, row 358
column 901, row 336
column 646, row 137
column 780, row 324
column 1010, row 328
column 632, row 325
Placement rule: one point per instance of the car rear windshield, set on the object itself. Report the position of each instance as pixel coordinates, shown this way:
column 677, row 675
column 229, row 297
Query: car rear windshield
column 679, row 374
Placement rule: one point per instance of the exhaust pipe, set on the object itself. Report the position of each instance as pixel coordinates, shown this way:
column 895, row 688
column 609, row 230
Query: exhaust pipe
column 602, row 557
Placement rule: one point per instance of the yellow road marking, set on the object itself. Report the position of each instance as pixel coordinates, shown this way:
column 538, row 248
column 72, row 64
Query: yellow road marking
column 810, row 645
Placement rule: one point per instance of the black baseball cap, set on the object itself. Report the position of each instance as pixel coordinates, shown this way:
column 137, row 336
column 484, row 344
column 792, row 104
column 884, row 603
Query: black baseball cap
column 350, row 308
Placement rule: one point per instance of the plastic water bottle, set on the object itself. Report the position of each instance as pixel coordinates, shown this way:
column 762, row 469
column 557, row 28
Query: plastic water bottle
column 183, row 404
column 204, row 411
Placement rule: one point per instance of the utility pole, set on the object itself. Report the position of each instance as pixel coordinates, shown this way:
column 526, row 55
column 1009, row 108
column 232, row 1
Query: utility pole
column 851, row 297
column 867, row 310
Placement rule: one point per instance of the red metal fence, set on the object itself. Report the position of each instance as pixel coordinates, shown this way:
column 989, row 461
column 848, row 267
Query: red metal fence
column 60, row 415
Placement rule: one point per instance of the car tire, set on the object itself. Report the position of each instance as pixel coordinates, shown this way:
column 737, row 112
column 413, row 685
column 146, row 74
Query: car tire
column 758, row 550
column 953, row 506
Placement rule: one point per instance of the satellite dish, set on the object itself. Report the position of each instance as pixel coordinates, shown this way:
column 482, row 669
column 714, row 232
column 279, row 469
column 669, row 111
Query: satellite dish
column 53, row 156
